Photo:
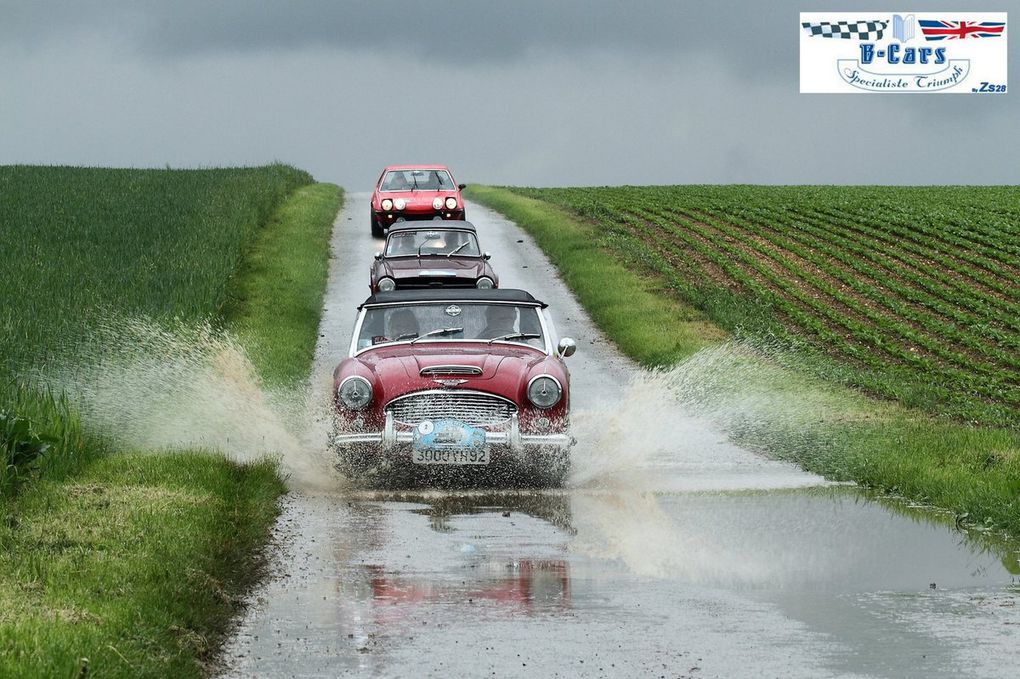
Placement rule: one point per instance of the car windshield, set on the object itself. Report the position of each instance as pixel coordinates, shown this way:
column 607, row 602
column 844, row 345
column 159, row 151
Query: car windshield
column 432, row 242
column 479, row 321
column 417, row 180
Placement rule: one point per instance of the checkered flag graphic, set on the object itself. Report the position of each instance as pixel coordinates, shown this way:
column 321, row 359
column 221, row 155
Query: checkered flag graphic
column 847, row 30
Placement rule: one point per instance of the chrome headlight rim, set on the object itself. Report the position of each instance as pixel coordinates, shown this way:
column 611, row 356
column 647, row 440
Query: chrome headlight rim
column 386, row 284
column 485, row 283
column 559, row 391
column 352, row 382
column 451, row 203
column 437, row 203
column 384, row 205
column 399, row 203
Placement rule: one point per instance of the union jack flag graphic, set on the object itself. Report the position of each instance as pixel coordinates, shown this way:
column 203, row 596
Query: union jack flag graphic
column 952, row 30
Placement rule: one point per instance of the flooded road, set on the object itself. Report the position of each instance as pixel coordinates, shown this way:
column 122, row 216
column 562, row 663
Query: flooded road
column 671, row 553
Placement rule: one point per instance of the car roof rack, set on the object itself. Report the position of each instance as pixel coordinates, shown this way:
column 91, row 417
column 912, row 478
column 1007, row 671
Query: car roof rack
column 498, row 295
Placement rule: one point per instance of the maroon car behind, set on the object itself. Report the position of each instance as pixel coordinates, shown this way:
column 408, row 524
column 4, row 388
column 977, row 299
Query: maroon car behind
column 430, row 254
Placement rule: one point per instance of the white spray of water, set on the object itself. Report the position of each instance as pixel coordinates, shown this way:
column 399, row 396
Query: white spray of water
column 150, row 386
column 669, row 430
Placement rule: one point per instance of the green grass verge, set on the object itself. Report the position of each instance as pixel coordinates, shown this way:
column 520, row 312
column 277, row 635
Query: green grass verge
column 275, row 302
column 828, row 429
column 132, row 567
column 636, row 311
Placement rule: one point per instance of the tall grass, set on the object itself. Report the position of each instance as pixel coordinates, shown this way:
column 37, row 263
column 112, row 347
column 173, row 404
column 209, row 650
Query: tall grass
column 81, row 241
column 39, row 432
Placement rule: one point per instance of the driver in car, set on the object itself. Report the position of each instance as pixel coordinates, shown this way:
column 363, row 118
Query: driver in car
column 403, row 325
column 499, row 321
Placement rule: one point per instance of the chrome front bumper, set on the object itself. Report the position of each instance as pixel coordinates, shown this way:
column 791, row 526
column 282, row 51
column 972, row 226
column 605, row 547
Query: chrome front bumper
column 513, row 437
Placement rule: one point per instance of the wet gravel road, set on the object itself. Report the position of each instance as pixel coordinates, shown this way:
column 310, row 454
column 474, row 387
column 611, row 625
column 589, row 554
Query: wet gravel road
column 701, row 561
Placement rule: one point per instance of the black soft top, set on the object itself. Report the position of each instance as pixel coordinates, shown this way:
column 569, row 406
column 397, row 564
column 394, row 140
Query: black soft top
column 433, row 225
column 453, row 295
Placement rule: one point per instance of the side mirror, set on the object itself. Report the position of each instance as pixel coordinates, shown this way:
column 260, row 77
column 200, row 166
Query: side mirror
column 486, row 255
column 461, row 186
column 566, row 348
column 378, row 255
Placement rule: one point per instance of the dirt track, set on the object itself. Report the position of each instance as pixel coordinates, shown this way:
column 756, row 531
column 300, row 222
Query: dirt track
column 673, row 553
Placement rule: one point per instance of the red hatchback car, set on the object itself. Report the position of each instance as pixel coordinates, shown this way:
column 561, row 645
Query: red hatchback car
column 411, row 192
column 454, row 377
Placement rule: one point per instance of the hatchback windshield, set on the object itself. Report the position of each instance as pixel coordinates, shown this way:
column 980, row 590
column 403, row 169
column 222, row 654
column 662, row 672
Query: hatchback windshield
column 422, row 323
column 432, row 242
column 417, row 180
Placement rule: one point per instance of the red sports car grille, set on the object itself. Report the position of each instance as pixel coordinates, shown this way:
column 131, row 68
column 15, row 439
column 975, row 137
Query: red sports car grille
column 471, row 407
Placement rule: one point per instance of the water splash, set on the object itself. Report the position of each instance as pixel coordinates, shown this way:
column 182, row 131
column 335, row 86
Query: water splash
column 150, row 386
column 672, row 430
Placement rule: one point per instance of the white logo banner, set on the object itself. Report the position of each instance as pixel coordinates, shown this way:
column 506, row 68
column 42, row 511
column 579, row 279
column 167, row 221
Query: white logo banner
column 903, row 52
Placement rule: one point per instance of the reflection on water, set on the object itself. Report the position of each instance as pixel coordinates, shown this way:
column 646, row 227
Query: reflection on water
column 526, row 586
column 836, row 538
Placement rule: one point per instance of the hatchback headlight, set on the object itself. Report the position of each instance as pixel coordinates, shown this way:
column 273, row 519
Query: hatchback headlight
column 400, row 203
column 451, row 203
column 355, row 392
column 544, row 391
column 387, row 284
column 437, row 203
column 484, row 283
column 386, row 204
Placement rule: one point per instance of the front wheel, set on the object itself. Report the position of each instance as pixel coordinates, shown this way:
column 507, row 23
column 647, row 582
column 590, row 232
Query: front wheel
column 377, row 230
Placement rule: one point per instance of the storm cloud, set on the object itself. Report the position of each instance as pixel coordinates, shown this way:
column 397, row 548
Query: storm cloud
column 528, row 92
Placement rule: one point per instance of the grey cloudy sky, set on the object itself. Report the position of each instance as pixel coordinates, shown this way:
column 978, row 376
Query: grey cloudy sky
column 531, row 92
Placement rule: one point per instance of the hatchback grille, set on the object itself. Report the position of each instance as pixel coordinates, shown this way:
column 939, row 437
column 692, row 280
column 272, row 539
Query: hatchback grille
column 471, row 407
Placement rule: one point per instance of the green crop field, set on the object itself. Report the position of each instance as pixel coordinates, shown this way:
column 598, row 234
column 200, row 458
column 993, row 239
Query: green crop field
column 908, row 293
column 81, row 242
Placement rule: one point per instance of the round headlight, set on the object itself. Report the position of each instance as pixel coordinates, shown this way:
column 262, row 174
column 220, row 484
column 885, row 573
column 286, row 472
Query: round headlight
column 484, row 283
column 451, row 203
column 387, row 284
column 400, row 203
column 355, row 392
column 387, row 204
column 544, row 391
column 437, row 203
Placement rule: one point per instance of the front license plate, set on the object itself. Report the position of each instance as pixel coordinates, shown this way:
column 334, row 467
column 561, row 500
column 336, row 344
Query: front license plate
column 448, row 442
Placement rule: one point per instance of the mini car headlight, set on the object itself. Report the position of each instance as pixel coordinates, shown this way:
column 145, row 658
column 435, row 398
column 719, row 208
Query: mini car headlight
column 544, row 391
column 386, row 284
column 386, row 204
column 355, row 392
column 400, row 203
column 451, row 203
column 437, row 203
column 484, row 283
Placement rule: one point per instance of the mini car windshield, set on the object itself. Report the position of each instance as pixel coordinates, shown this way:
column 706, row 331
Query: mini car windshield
column 443, row 322
column 417, row 180
column 432, row 242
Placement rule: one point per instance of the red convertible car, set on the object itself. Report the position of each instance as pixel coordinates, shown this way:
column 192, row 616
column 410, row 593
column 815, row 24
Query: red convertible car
column 454, row 377
column 414, row 192
column 423, row 255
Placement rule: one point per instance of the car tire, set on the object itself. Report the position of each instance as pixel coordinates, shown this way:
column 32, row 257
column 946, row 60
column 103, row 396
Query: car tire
column 377, row 230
